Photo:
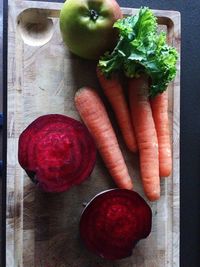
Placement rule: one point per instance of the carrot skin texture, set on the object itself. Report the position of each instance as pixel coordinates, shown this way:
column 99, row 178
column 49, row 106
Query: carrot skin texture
column 146, row 136
column 115, row 95
column 94, row 115
column 159, row 105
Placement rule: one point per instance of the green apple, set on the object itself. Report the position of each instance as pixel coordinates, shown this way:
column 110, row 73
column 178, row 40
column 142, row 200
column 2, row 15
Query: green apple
column 87, row 26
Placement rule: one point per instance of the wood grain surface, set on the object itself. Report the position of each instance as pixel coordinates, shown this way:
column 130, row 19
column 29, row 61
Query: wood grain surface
column 43, row 76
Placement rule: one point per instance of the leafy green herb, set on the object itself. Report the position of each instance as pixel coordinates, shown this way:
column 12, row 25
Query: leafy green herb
column 141, row 49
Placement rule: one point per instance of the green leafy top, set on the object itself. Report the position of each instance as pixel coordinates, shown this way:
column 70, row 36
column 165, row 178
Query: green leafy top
column 141, row 49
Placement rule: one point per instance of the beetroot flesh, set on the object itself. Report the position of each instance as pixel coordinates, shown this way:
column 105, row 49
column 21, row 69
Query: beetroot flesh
column 56, row 152
column 113, row 222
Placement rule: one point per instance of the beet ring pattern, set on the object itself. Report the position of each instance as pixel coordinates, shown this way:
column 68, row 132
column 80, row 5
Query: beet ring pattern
column 57, row 152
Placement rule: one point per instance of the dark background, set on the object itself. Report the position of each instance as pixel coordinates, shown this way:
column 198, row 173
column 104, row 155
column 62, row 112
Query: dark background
column 190, row 120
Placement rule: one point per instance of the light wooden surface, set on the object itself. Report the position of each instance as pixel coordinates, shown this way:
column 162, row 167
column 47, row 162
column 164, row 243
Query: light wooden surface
column 42, row 229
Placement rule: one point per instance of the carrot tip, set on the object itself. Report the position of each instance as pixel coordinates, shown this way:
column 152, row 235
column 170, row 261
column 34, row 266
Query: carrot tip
column 165, row 174
column 155, row 195
column 128, row 186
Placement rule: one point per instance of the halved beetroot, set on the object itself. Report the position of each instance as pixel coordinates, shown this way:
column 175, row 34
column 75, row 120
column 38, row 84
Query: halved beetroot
column 114, row 221
column 57, row 152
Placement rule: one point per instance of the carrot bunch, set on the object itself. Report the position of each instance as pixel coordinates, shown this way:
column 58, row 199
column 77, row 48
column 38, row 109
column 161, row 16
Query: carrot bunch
column 149, row 64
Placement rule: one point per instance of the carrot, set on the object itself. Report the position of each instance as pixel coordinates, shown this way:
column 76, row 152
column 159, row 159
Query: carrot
column 94, row 115
column 159, row 105
column 146, row 136
column 114, row 92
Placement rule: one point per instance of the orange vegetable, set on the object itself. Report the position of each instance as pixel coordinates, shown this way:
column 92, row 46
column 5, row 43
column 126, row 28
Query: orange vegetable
column 114, row 92
column 146, row 136
column 94, row 115
column 159, row 105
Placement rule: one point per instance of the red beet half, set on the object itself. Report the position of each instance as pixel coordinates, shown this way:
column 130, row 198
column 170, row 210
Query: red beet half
column 113, row 222
column 57, row 152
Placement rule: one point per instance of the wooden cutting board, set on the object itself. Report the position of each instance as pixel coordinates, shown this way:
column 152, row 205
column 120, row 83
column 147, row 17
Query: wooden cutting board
column 42, row 229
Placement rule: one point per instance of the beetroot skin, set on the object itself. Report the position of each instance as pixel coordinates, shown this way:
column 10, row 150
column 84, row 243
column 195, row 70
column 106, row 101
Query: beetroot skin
column 113, row 222
column 57, row 152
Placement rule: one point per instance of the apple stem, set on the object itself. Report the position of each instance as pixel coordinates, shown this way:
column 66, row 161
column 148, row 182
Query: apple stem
column 93, row 15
